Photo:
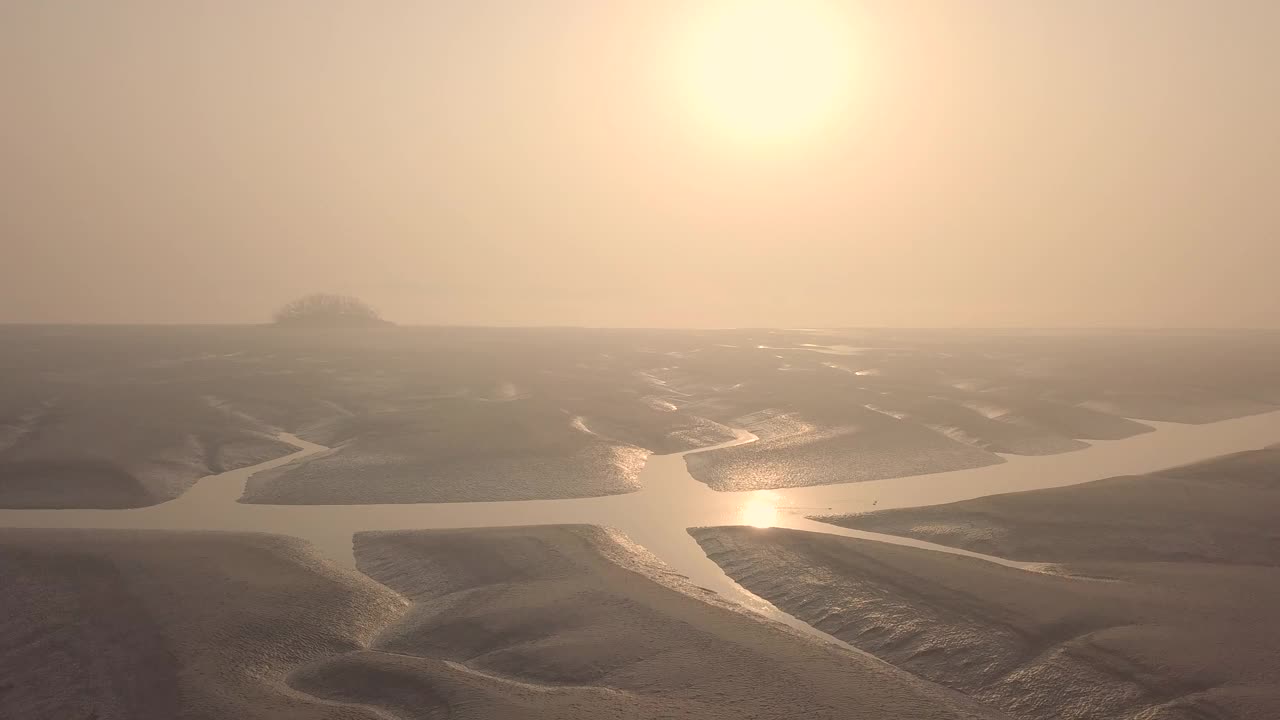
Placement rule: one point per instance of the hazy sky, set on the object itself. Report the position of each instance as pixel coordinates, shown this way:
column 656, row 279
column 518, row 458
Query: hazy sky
column 986, row 162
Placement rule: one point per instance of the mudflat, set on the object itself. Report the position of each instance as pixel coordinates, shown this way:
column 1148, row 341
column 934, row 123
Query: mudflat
column 580, row 609
column 546, row 622
column 1161, row 599
column 1221, row 510
column 1117, row 640
column 154, row 625
column 116, row 417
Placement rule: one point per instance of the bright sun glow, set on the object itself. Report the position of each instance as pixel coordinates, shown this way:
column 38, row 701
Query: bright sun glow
column 766, row 70
column 761, row 510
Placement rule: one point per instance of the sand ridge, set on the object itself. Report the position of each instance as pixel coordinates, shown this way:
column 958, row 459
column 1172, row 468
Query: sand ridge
column 1220, row 510
column 582, row 606
column 1162, row 600
column 151, row 624
column 131, row 416
column 546, row 622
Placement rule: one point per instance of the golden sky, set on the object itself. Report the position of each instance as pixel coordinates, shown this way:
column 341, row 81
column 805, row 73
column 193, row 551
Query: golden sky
column 648, row 163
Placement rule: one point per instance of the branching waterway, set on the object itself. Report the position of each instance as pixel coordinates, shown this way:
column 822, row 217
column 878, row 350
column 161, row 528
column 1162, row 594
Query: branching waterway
column 671, row 501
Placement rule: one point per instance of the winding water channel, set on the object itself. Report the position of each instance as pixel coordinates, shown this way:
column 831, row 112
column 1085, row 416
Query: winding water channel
column 671, row 501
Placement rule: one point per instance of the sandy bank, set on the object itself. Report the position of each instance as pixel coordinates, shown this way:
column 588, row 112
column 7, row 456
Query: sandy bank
column 1222, row 510
column 114, row 417
column 1145, row 641
column 558, row 608
column 122, row 447
column 550, row 623
column 149, row 625
column 871, row 447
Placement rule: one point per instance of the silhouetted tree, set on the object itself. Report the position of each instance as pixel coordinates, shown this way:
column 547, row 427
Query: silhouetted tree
column 328, row 310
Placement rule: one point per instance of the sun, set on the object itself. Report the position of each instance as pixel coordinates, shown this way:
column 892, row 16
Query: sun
column 764, row 70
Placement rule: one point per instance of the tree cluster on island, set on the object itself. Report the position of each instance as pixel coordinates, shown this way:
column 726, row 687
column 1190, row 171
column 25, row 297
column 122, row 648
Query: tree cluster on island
column 328, row 310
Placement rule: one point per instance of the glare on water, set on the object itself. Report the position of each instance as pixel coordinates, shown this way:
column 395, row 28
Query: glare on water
column 760, row 510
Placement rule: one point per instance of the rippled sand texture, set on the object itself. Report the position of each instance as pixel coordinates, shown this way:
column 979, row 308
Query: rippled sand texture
column 109, row 446
column 861, row 445
column 130, row 416
column 566, row 622
column 1164, row 602
column 149, row 625
column 578, row 611
column 442, row 457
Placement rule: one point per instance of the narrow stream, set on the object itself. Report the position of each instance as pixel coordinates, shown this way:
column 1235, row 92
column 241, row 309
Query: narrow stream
column 671, row 501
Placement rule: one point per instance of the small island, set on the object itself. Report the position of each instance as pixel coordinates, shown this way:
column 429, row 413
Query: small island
column 327, row 310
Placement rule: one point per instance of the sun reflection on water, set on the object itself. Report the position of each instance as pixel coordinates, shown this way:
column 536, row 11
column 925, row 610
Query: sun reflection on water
column 760, row 510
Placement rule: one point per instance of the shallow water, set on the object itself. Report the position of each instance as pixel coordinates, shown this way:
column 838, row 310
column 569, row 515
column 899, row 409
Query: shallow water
column 671, row 501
